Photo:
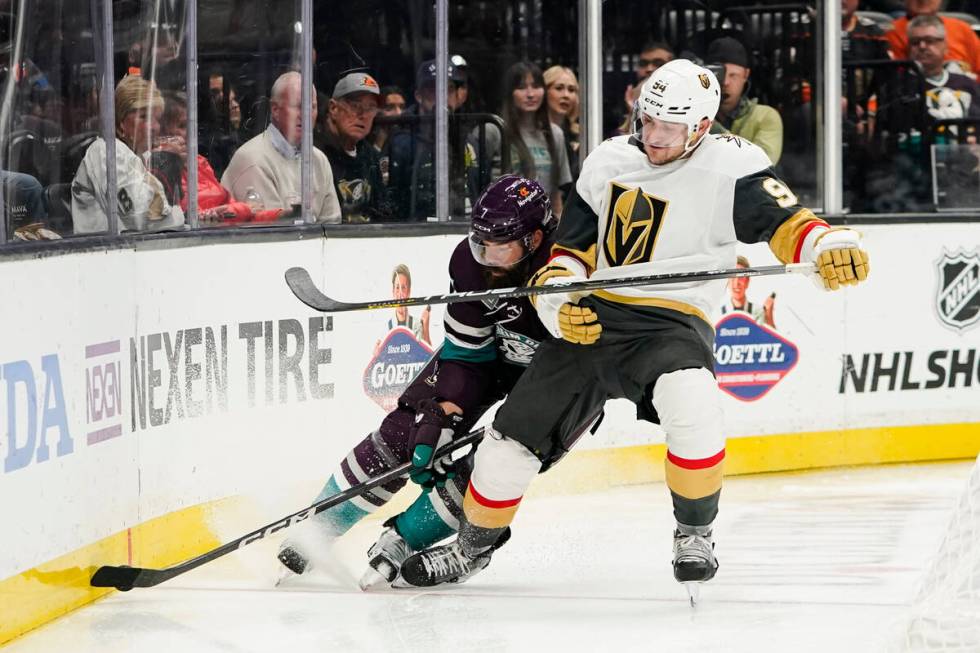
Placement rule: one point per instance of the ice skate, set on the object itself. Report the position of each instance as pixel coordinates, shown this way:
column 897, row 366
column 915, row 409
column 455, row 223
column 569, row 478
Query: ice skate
column 445, row 564
column 442, row 564
column 385, row 558
column 694, row 558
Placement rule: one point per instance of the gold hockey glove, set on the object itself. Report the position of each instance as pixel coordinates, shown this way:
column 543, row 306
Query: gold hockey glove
column 560, row 312
column 578, row 324
column 840, row 259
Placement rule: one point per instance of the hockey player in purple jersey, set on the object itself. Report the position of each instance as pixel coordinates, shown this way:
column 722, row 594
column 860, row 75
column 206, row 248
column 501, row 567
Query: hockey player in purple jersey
column 487, row 346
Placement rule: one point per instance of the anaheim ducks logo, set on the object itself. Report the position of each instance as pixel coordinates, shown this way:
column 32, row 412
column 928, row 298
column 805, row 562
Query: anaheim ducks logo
column 633, row 223
column 705, row 81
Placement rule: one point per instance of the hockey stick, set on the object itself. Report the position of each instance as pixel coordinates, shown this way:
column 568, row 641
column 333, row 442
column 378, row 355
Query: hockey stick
column 125, row 578
column 299, row 281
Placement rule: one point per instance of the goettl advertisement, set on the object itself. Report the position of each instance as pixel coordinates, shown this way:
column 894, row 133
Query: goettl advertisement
column 751, row 355
column 403, row 346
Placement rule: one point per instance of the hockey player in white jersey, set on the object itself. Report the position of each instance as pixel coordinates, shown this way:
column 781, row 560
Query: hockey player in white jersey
column 668, row 198
column 140, row 199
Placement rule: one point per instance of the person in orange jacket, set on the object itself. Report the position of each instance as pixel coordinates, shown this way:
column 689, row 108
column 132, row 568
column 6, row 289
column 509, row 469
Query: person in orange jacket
column 963, row 44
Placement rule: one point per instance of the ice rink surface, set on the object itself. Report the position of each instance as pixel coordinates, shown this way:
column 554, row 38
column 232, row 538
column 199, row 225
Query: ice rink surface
column 822, row 561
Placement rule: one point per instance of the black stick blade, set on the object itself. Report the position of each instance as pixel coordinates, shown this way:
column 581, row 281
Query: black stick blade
column 122, row 578
column 299, row 281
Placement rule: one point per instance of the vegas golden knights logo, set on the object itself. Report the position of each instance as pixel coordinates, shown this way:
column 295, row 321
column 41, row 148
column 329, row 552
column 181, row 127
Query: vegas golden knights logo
column 705, row 82
column 633, row 222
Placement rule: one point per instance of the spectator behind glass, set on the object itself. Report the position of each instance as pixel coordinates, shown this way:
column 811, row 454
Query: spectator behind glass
column 950, row 94
column 219, row 122
column 537, row 147
column 652, row 56
column 392, row 105
column 412, row 181
column 141, row 202
column 356, row 165
column 215, row 204
column 265, row 171
column 738, row 114
column 963, row 48
column 861, row 38
column 216, row 90
column 561, row 87
column 234, row 110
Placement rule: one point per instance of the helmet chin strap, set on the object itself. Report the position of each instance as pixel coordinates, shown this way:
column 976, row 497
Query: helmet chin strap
column 694, row 140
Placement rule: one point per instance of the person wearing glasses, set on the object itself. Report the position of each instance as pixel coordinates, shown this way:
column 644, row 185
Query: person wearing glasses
column 265, row 171
column 356, row 165
column 653, row 55
column 948, row 94
column 963, row 47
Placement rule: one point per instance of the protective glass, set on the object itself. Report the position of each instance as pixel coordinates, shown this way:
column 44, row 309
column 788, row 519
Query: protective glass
column 494, row 254
column 49, row 117
column 659, row 133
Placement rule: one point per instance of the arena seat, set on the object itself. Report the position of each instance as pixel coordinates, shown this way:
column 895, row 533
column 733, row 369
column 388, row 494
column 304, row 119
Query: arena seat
column 73, row 150
column 58, row 199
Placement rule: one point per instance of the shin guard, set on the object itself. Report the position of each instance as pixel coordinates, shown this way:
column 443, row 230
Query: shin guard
column 502, row 470
column 688, row 404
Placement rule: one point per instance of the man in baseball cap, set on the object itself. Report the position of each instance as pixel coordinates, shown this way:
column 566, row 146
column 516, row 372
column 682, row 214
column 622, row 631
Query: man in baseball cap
column 737, row 114
column 425, row 85
column 412, row 178
column 356, row 164
column 354, row 83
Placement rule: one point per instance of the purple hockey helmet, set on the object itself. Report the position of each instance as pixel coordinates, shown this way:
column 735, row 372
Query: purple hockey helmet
column 508, row 212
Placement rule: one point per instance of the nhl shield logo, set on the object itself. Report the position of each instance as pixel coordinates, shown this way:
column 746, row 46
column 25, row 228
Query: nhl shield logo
column 958, row 294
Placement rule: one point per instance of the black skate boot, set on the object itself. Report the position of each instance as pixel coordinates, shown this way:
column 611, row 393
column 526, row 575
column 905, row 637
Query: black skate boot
column 448, row 563
column 694, row 558
column 385, row 557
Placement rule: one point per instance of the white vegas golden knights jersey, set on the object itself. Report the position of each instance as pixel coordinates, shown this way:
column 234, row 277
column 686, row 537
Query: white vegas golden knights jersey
column 629, row 217
column 140, row 199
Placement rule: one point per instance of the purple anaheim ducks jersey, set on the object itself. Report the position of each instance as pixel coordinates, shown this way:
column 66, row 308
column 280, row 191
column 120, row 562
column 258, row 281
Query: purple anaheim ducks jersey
column 502, row 330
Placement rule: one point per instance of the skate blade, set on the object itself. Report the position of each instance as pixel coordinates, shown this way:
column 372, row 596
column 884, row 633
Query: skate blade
column 693, row 592
column 372, row 580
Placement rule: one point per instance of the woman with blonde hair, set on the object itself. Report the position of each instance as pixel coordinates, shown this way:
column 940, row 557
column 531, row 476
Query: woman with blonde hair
column 141, row 203
column 561, row 91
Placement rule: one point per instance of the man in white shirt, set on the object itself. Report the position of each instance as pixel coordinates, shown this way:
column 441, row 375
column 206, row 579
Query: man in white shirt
column 266, row 170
